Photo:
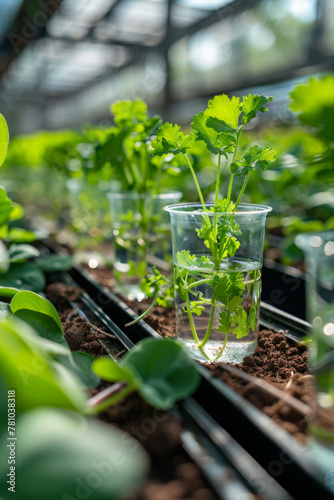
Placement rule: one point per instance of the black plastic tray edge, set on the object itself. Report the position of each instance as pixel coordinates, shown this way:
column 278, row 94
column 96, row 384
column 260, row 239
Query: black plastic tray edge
column 289, row 456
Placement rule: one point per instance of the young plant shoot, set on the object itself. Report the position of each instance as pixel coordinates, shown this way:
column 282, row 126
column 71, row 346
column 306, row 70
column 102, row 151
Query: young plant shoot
column 160, row 370
column 215, row 283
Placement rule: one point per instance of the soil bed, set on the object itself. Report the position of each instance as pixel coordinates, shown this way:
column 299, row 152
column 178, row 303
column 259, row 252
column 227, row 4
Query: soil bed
column 277, row 360
column 173, row 475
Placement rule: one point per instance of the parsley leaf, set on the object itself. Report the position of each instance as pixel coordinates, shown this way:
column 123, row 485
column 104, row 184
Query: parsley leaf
column 224, row 321
column 129, row 112
column 226, row 112
column 170, row 140
column 252, row 104
column 255, row 158
column 225, row 287
column 216, row 142
column 185, row 259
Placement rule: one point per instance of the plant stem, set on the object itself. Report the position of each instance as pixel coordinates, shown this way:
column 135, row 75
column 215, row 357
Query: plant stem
column 108, row 397
column 218, row 179
column 209, row 329
column 145, row 312
column 198, row 283
column 241, row 191
column 223, row 348
column 196, row 182
column 191, row 319
column 229, row 192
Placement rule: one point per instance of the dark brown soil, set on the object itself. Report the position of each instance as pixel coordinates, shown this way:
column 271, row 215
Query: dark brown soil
column 173, row 476
column 60, row 295
column 284, row 364
column 276, row 360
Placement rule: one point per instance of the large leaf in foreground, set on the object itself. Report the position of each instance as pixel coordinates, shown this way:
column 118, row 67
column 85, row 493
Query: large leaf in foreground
column 166, row 371
column 34, row 302
column 26, row 363
column 24, row 276
column 63, row 455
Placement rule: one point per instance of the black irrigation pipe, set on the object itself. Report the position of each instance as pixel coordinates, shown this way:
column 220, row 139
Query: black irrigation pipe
column 270, row 445
column 229, row 469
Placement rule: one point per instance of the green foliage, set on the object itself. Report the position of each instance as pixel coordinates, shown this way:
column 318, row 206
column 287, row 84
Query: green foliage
column 170, row 140
column 28, row 366
column 252, row 104
column 313, row 101
column 217, row 142
column 41, row 315
column 34, row 302
column 185, row 259
column 59, row 451
column 55, row 263
column 256, row 158
column 25, row 276
column 160, row 370
column 4, row 138
column 219, row 128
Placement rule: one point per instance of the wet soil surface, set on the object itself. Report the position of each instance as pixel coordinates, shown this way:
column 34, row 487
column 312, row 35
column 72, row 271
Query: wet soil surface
column 277, row 360
column 173, row 476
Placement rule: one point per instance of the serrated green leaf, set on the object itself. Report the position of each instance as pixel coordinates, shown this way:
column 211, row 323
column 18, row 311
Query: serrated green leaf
column 239, row 318
column 224, row 321
column 225, row 109
column 196, row 308
column 219, row 125
column 310, row 99
column 252, row 104
column 216, row 142
column 255, row 158
column 170, row 140
column 129, row 112
column 252, row 318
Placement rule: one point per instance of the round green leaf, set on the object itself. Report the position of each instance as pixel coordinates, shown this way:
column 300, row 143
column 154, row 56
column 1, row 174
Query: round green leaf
column 20, row 253
column 27, row 366
column 24, row 276
column 34, row 302
column 43, row 324
column 108, row 370
column 55, row 262
column 166, row 370
column 63, row 456
column 9, row 292
column 4, row 138
column 83, row 368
